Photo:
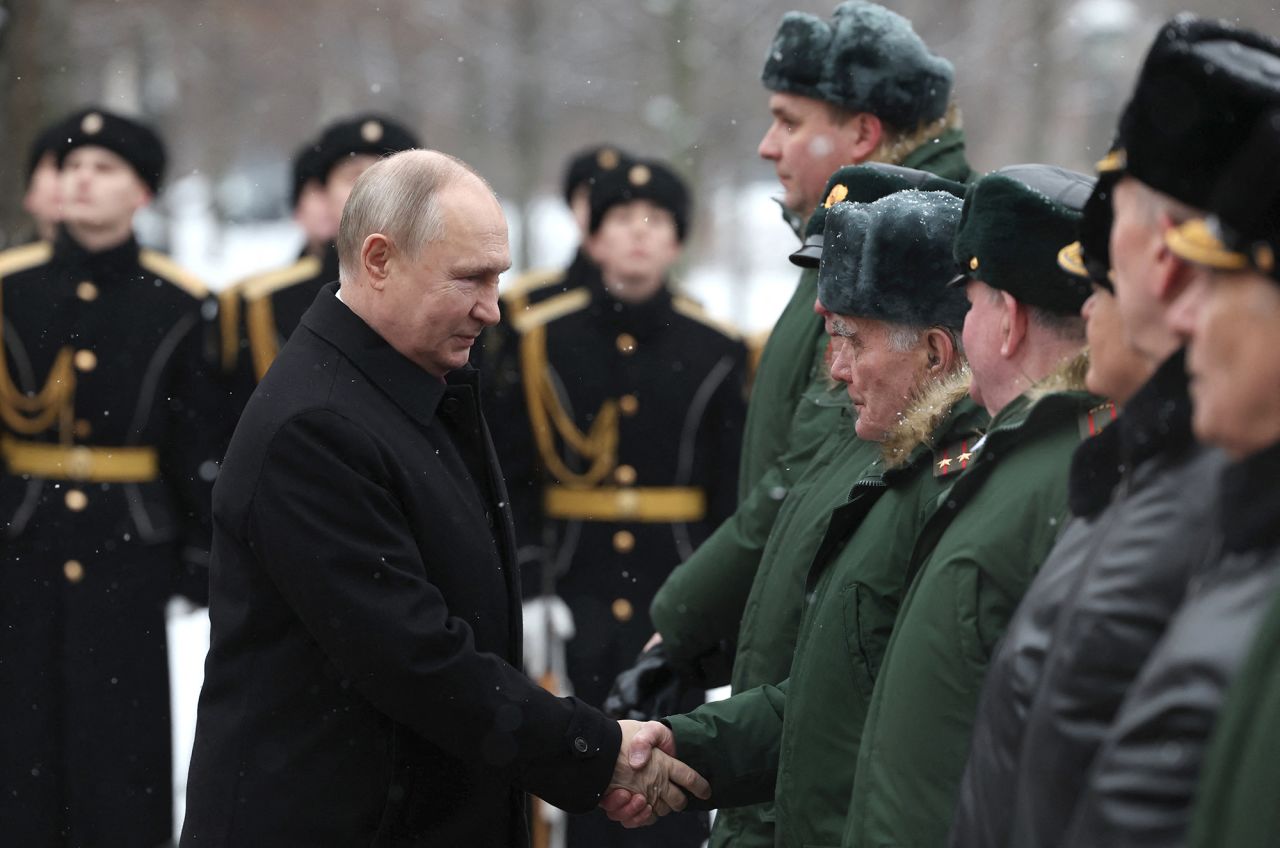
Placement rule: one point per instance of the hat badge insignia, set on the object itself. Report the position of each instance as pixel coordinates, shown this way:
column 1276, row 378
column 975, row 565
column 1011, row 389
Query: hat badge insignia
column 1264, row 258
column 607, row 159
column 371, row 131
column 838, row 193
column 639, row 175
column 92, row 124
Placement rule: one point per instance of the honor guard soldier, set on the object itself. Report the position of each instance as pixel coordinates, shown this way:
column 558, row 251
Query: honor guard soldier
column 496, row 352
column 259, row 313
column 41, row 200
column 634, row 403
column 310, row 203
column 105, row 497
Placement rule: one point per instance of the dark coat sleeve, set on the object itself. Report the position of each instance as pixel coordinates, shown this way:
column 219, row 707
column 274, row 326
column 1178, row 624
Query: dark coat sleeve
column 192, row 450
column 349, row 567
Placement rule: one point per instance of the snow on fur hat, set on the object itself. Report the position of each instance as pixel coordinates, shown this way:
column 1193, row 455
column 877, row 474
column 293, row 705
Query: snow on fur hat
column 891, row 260
column 866, row 59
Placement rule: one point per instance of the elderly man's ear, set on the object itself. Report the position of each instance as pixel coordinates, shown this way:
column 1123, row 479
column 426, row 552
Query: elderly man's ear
column 376, row 256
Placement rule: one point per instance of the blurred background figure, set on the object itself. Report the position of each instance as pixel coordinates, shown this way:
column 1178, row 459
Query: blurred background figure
column 633, row 402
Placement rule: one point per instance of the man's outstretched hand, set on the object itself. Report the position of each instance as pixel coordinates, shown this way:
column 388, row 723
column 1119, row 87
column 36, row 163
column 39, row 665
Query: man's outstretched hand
column 647, row 779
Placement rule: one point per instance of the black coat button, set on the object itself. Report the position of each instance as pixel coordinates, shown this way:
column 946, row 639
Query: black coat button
column 580, row 745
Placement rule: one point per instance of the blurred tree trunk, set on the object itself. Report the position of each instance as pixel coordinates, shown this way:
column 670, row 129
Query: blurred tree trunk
column 1042, row 102
column 530, row 117
column 34, row 90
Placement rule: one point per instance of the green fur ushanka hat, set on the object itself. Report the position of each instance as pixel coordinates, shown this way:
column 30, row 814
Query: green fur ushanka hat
column 1015, row 221
column 891, row 260
column 863, row 184
column 866, row 59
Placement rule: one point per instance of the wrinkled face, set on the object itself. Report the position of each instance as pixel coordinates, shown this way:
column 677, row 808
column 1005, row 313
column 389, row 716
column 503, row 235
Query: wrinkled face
column 1232, row 320
column 342, row 177
column 42, row 200
column 985, row 326
column 1136, row 242
column 314, row 215
column 635, row 246
column 805, row 146
column 881, row 381
column 434, row 305
column 1116, row 370
column 100, row 189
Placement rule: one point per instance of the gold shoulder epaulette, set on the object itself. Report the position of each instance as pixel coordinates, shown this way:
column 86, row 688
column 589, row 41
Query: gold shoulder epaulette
column 690, row 308
column 538, row 278
column 260, row 285
column 17, row 259
column 174, row 273
column 551, row 309
column 229, row 300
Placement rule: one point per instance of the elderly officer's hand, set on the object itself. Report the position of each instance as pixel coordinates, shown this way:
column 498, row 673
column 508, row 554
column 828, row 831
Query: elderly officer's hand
column 648, row 783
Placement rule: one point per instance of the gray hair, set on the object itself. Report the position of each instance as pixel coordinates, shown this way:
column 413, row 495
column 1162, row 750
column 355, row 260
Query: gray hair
column 903, row 337
column 398, row 196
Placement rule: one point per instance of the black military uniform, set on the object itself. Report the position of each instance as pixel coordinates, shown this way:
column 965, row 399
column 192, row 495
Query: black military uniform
column 260, row 313
column 633, row 415
column 104, row 494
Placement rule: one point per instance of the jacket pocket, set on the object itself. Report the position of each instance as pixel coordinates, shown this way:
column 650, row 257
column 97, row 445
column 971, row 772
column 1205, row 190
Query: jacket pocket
column 868, row 623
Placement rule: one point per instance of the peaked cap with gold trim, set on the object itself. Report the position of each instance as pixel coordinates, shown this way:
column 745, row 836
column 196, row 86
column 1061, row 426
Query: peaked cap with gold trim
column 1243, row 228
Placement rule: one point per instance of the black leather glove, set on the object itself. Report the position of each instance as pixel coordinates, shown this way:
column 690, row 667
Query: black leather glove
column 649, row 689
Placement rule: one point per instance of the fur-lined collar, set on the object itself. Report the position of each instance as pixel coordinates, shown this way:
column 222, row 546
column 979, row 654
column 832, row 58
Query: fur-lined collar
column 918, row 425
column 1067, row 377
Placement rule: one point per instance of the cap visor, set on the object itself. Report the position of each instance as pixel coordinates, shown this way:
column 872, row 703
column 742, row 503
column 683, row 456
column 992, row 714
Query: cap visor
column 1195, row 242
column 810, row 253
column 1116, row 160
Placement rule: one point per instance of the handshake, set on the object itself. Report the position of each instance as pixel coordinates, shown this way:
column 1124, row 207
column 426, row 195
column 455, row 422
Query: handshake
column 648, row 781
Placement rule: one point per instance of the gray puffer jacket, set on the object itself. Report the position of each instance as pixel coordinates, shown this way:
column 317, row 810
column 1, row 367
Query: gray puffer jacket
column 1143, row 493
column 1144, row 781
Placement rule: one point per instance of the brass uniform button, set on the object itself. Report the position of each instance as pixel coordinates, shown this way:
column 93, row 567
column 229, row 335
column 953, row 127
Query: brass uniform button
column 626, row 343
column 628, row 404
column 625, row 475
column 73, row 571
column 628, row 503
column 622, row 610
column 86, row 360
column 973, row 263
column 87, row 291
column 76, row 500
column 624, row 542
column 83, row 429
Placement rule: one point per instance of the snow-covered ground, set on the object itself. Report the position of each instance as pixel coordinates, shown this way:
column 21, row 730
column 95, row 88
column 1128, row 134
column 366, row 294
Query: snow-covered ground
column 750, row 299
